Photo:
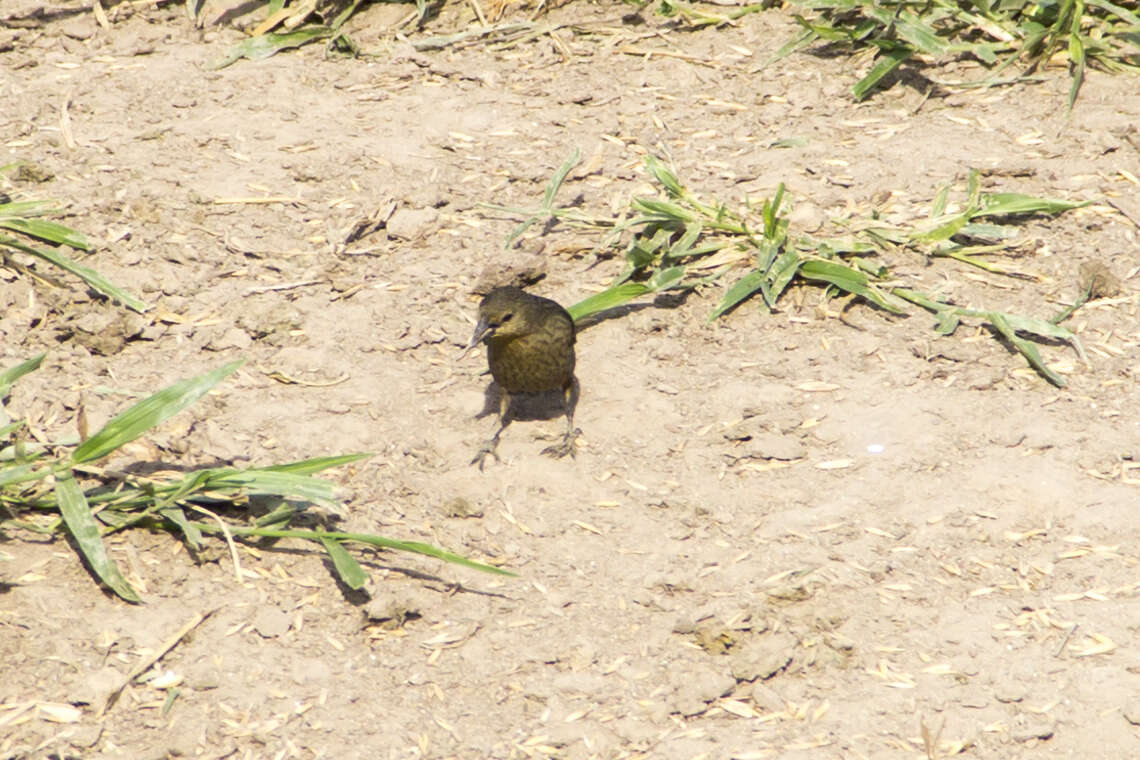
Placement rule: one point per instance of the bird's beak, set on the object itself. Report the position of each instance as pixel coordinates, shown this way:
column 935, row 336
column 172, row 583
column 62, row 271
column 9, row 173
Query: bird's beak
column 481, row 330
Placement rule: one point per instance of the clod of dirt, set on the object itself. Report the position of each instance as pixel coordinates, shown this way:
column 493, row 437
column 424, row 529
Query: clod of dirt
column 412, row 224
column 231, row 337
column 694, row 690
column 519, row 272
column 460, row 507
column 269, row 318
column 762, row 658
column 271, row 622
column 105, row 331
column 1098, row 280
column 391, row 612
column 1035, row 729
column 767, row 446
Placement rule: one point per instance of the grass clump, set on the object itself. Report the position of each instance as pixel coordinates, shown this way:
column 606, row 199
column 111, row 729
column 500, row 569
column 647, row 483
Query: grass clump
column 997, row 34
column 50, row 488
column 22, row 233
column 679, row 241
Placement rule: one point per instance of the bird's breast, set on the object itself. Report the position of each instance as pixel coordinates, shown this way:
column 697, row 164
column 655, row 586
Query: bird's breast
column 532, row 363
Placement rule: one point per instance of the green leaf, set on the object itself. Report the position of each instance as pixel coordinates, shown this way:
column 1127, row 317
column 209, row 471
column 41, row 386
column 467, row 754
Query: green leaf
column 771, row 213
column 318, row 464
column 938, row 207
column 889, row 60
column 192, row 535
column 781, row 274
column 349, row 570
column 1026, row 348
column 611, row 297
column 911, row 29
column 149, row 412
column 943, row 231
column 664, row 175
column 664, row 279
column 848, row 279
column 265, row 45
column 83, row 528
column 19, row 473
column 664, row 211
column 948, row 322
column 257, row 482
column 90, row 276
column 12, row 374
column 740, row 290
column 1077, row 56
column 48, row 231
column 559, row 177
column 1002, row 204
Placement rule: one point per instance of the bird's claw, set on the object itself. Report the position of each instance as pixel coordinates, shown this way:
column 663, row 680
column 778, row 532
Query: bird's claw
column 488, row 448
column 564, row 447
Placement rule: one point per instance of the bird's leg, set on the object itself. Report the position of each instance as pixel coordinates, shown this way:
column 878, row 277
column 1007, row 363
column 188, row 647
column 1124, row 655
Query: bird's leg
column 570, row 401
column 491, row 446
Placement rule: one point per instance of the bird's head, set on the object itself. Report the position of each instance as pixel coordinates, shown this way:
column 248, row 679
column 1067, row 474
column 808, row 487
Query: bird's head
column 503, row 314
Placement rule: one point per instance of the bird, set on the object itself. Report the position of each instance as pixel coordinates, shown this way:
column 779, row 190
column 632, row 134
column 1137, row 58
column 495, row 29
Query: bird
column 530, row 349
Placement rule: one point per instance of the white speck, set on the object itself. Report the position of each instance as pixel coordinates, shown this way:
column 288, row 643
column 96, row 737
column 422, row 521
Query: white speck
column 876, row 448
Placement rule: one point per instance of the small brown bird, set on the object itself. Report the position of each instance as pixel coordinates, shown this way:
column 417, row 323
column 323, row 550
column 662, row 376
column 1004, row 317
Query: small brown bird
column 530, row 349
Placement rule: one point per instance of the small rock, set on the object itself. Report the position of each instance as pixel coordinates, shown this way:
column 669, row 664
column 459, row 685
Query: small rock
column 762, row 659
column 768, row 446
column 1038, row 730
column 410, row 224
column 86, row 736
column 80, row 27
column 391, row 612
column 271, row 622
column 1009, row 694
column 693, row 691
column 234, row 337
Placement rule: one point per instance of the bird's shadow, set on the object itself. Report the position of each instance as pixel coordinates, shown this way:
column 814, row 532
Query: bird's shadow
column 544, row 405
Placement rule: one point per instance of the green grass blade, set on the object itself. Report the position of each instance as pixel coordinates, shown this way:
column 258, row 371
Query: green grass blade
column 782, row 273
column 559, row 177
column 149, row 412
column 664, row 211
column 265, row 483
column 319, row 464
column 943, row 231
column 1077, row 56
column 889, row 60
column 664, row 175
column 266, row 45
column 349, row 570
column 90, row 276
column 796, row 43
column 414, row 547
column 938, row 207
column 610, row 298
column 192, row 535
column 19, row 473
column 1003, row 204
column 48, row 231
column 771, row 213
column 1025, row 348
column 83, row 528
column 12, row 374
column 848, row 279
column 740, row 290
column 922, row 36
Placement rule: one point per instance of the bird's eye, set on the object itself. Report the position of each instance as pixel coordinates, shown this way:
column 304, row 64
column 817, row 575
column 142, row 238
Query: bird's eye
column 507, row 317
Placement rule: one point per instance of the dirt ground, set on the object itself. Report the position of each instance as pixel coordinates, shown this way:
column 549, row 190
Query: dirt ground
column 783, row 536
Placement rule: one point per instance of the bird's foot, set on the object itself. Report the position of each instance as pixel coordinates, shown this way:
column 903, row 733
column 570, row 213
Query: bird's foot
column 487, row 449
column 563, row 447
